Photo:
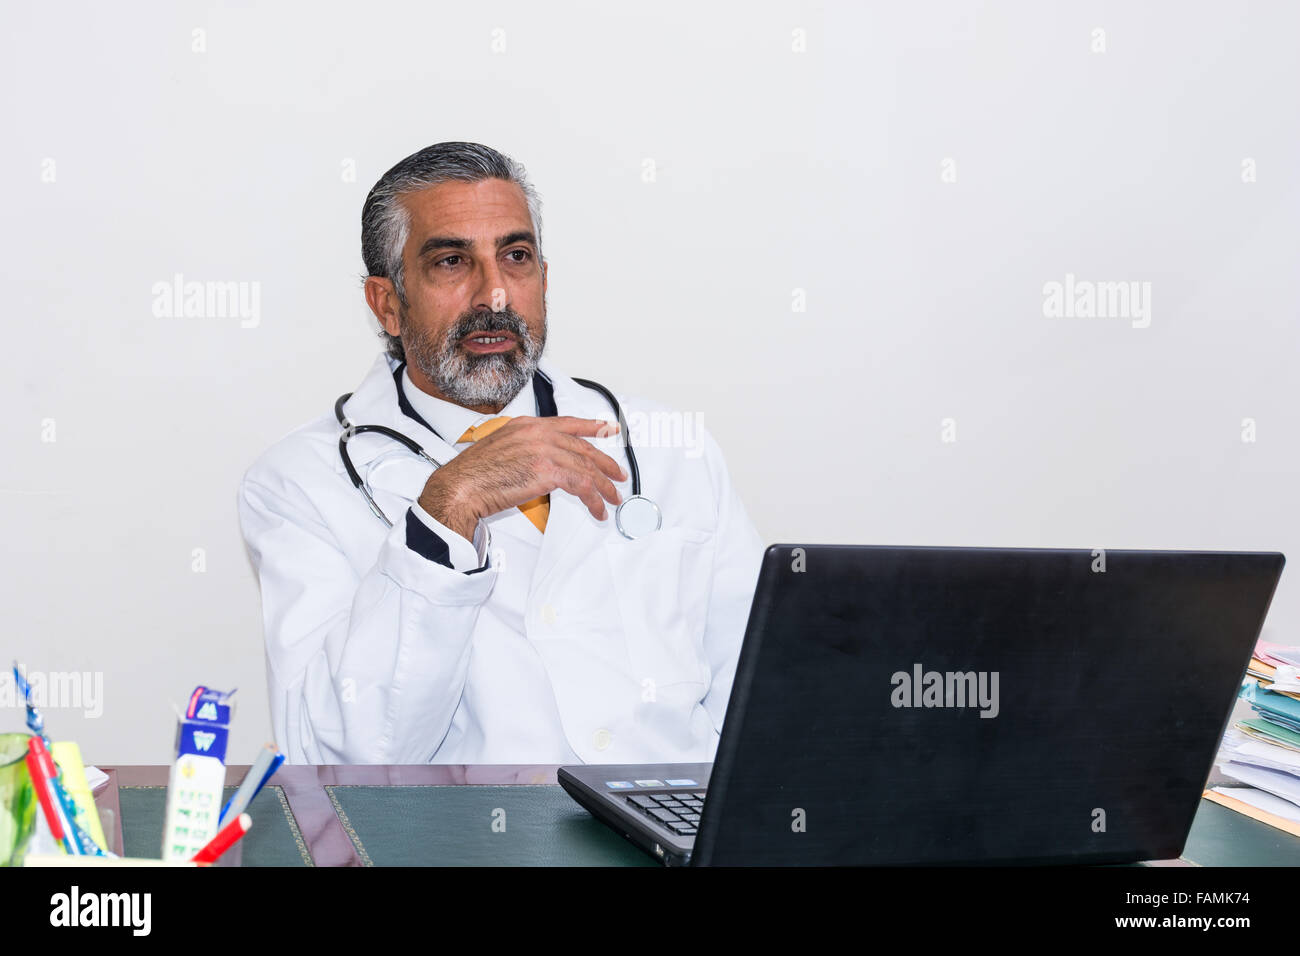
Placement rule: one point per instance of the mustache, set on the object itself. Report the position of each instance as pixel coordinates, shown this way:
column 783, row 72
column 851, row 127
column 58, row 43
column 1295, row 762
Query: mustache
column 507, row 320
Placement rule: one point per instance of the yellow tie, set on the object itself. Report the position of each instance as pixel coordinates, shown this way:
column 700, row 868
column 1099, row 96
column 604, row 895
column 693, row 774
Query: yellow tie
column 536, row 510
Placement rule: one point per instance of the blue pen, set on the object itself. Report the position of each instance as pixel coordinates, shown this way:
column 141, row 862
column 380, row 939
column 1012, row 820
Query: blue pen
column 263, row 769
column 270, row 772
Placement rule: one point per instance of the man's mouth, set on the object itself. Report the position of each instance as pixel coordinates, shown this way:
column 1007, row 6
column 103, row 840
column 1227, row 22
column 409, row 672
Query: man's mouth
column 485, row 343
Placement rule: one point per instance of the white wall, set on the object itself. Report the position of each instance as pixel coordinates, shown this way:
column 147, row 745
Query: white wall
column 776, row 171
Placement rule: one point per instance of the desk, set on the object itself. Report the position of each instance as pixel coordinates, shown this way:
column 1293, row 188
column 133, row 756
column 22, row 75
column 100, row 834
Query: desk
column 493, row 815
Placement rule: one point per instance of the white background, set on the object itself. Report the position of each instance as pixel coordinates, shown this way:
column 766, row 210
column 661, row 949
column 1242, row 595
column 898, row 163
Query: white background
column 776, row 171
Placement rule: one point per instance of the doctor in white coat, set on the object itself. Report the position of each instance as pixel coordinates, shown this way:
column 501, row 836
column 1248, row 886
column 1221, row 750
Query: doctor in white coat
column 502, row 618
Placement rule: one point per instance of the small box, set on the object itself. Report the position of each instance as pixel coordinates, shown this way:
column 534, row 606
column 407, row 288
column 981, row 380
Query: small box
column 195, row 787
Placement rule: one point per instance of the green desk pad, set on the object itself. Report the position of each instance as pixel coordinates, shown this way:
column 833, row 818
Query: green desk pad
column 1223, row 837
column 513, row 825
column 543, row 826
column 274, row 840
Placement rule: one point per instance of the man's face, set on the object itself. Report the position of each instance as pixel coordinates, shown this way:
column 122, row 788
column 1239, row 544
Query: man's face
column 475, row 323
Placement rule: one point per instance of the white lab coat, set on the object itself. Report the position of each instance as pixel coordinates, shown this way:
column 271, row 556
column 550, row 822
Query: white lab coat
column 371, row 647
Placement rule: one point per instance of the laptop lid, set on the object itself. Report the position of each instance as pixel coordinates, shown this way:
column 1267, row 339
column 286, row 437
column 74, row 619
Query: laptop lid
column 979, row 705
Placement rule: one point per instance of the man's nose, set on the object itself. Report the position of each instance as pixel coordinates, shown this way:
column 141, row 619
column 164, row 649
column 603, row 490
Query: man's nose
column 491, row 292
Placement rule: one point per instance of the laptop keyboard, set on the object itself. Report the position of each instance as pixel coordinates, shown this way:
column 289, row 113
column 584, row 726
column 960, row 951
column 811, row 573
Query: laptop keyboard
column 679, row 812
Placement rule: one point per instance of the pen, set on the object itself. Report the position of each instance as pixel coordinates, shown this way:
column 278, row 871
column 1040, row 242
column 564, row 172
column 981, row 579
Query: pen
column 224, row 840
column 40, row 767
column 267, row 763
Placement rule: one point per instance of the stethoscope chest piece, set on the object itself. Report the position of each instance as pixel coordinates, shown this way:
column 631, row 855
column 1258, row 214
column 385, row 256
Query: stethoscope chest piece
column 637, row 517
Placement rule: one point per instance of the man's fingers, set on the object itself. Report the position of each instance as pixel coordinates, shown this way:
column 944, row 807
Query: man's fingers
column 578, row 469
column 602, row 461
column 576, row 466
column 582, row 484
column 588, row 427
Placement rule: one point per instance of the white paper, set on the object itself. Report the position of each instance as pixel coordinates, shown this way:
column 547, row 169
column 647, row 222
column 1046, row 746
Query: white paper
column 1243, row 748
column 1285, row 678
column 1276, row 782
column 95, row 778
column 1261, row 800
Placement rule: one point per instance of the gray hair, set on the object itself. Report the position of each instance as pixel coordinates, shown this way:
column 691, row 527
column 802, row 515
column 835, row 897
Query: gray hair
column 386, row 222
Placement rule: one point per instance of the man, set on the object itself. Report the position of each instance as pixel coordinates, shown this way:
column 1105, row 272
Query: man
column 502, row 618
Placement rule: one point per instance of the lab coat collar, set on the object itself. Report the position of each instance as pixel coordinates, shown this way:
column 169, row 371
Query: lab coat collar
column 375, row 403
column 451, row 421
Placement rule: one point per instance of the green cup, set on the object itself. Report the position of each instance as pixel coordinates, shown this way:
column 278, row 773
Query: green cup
column 17, row 799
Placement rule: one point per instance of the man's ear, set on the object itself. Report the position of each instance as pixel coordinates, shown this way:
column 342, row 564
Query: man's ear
column 381, row 296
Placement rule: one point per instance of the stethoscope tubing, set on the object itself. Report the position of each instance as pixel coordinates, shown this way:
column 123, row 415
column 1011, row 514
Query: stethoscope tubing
column 632, row 468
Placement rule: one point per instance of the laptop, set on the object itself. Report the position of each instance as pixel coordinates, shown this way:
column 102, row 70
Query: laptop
column 951, row 706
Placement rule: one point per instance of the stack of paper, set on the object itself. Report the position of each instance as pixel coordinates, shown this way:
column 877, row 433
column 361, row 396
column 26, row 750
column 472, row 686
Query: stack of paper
column 1263, row 751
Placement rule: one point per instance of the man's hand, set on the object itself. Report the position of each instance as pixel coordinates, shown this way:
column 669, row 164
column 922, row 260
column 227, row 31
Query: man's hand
column 523, row 459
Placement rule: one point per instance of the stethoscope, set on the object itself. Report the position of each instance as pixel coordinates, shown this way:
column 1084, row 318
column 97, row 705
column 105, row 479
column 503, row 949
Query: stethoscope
column 635, row 517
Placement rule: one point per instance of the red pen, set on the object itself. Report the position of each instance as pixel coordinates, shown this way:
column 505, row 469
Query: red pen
column 224, row 840
column 40, row 767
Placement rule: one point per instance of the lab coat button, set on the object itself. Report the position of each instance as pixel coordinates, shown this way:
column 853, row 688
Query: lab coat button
column 548, row 614
column 602, row 739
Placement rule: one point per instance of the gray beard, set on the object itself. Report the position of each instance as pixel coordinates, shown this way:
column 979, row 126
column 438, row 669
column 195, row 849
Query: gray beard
column 468, row 379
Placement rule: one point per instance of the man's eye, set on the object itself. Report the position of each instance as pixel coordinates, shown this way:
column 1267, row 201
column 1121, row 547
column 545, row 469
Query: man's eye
column 445, row 259
column 523, row 252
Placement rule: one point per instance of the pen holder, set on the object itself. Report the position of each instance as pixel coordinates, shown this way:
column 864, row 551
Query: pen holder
column 17, row 799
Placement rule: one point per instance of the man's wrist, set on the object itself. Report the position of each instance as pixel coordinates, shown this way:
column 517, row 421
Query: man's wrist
column 450, row 508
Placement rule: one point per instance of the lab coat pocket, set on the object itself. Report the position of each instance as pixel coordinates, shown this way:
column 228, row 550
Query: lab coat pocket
column 662, row 581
